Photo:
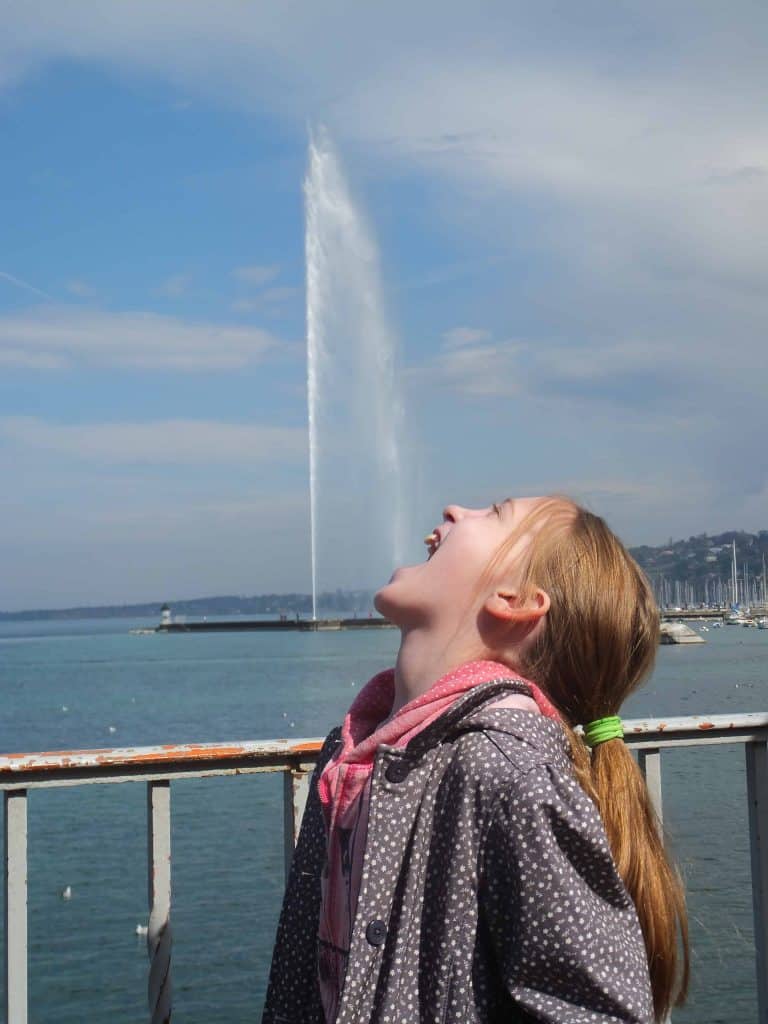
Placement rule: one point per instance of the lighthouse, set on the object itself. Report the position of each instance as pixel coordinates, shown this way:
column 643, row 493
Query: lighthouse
column 165, row 615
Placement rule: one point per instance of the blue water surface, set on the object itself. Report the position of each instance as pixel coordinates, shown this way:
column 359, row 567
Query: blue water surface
column 91, row 683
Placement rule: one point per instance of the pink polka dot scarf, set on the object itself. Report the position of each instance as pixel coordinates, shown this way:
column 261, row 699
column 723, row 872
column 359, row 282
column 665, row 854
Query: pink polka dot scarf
column 361, row 735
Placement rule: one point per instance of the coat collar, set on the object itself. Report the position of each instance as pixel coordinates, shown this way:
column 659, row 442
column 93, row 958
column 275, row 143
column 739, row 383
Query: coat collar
column 470, row 712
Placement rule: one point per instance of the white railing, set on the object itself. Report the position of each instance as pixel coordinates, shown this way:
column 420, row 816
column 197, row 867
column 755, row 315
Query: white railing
column 156, row 767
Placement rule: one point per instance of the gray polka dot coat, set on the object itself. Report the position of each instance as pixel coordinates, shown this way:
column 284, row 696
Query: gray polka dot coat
column 488, row 891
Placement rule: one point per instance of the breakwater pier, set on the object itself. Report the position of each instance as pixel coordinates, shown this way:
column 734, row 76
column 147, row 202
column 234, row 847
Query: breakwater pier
column 282, row 625
column 296, row 624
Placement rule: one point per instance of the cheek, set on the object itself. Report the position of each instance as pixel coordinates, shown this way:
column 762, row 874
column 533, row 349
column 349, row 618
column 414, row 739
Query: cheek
column 469, row 558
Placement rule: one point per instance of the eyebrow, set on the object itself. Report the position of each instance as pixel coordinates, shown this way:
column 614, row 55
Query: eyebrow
column 510, row 502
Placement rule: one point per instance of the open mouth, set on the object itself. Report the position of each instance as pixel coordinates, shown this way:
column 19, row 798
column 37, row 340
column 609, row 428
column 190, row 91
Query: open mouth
column 432, row 541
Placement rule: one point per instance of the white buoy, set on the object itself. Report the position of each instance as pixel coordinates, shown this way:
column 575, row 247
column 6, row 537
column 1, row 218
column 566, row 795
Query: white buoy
column 64, row 707
column 112, row 728
column 66, row 892
column 141, row 929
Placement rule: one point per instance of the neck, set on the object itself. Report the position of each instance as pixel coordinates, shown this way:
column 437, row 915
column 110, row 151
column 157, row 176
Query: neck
column 424, row 658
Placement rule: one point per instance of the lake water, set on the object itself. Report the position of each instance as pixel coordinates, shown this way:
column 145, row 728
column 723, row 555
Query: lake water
column 86, row 963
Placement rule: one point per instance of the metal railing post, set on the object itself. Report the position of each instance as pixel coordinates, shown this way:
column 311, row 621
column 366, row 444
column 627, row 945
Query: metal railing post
column 757, row 799
column 649, row 762
column 159, row 879
column 295, row 791
column 16, row 906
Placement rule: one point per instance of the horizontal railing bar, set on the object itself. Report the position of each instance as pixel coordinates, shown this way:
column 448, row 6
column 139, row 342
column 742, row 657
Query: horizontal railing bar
column 141, row 773
column 696, row 739
column 197, row 760
column 179, row 753
column 695, row 723
column 695, row 730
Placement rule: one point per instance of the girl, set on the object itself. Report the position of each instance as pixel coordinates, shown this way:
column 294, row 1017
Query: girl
column 464, row 856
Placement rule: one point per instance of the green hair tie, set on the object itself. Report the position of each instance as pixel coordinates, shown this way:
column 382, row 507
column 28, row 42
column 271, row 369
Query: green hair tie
column 603, row 729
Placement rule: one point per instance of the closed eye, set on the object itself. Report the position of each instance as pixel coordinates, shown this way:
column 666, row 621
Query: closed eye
column 497, row 509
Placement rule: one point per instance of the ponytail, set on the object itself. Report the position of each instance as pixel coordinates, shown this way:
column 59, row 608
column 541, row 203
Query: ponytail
column 615, row 783
column 597, row 644
column 636, row 840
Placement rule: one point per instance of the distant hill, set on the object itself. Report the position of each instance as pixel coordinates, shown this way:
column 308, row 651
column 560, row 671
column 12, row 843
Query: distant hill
column 698, row 570
column 682, row 572
column 346, row 601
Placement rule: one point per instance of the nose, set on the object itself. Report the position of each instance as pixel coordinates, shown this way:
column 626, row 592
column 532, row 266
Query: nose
column 453, row 513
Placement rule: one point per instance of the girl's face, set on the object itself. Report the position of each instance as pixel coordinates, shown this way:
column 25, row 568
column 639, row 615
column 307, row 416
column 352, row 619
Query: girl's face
column 440, row 590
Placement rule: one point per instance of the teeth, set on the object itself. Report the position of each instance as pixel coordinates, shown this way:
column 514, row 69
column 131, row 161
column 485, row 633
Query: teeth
column 433, row 542
column 431, row 538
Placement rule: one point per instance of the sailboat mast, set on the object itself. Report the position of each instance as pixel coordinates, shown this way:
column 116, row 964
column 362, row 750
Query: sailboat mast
column 734, row 581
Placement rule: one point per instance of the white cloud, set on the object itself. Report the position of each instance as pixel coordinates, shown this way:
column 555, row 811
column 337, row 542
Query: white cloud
column 279, row 295
column 81, row 288
column 269, row 298
column 458, row 337
column 175, row 286
column 20, row 359
column 669, row 167
column 156, row 443
column 52, row 336
column 479, row 371
column 669, row 376
column 651, row 121
column 245, row 306
column 256, row 275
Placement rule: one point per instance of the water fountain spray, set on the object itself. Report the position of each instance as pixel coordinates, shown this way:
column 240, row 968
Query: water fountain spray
column 354, row 408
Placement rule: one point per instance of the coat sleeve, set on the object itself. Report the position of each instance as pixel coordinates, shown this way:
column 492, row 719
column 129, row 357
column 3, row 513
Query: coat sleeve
column 562, row 928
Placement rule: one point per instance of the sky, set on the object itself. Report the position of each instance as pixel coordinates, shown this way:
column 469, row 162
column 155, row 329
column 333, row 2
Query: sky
column 570, row 207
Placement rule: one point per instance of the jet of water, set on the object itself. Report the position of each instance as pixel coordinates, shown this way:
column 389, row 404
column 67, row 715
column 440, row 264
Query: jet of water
column 354, row 405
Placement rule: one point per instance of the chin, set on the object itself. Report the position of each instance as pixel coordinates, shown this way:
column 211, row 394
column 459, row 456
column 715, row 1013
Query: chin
column 397, row 601
column 385, row 599
column 380, row 602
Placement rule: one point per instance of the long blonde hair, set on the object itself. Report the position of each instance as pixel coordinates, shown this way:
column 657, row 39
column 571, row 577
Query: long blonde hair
column 595, row 647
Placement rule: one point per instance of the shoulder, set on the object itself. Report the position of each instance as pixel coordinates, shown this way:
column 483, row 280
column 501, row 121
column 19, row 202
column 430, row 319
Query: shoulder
column 508, row 742
column 505, row 754
column 543, row 820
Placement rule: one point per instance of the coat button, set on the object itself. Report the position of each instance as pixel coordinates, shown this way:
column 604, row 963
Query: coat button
column 376, row 932
column 397, row 771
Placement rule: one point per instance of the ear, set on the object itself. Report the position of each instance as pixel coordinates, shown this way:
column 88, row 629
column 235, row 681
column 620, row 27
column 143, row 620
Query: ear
column 505, row 605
